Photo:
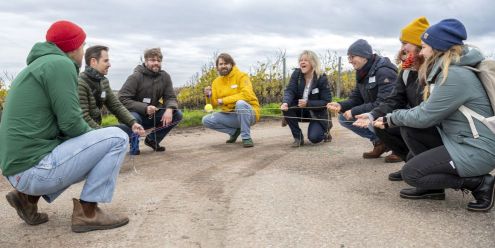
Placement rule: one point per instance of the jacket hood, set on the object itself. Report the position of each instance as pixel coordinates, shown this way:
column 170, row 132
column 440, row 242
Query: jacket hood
column 381, row 62
column 470, row 57
column 142, row 69
column 232, row 72
column 41, row 49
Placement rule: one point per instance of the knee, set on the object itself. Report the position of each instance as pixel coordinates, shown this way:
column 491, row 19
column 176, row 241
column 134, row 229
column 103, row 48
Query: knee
column 137, row 116
column 409, row 174
column 241, row 104
column 316, row 138
column 113, row 133
column 343, row 121
column 207, row 120
column 177, row 115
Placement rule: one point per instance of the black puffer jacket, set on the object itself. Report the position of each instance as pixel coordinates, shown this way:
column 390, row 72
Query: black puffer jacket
column 372, row 89
column 145, row 84
column 403, row 96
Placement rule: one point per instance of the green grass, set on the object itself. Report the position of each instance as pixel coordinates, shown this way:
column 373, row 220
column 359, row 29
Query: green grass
column 192, row 118
column 109, row 120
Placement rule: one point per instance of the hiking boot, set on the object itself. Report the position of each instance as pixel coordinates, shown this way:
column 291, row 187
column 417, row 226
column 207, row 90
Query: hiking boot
column 156, row 147
column 284, row 122
column 134, row 152
column 297, row 143
column 234, row 136
column 483, row 190
column 415, row 193
column 378, row 149
column 392, row 158
column 26, row 207
column 89, row 217
column 328, row 137
column 395, row 176
column 247, row 143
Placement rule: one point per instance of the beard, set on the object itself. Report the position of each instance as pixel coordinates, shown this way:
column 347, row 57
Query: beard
column 224, row 72
column 154, row 68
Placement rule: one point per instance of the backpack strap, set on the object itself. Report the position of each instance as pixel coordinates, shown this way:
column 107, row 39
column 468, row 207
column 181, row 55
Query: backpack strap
column 469, row 114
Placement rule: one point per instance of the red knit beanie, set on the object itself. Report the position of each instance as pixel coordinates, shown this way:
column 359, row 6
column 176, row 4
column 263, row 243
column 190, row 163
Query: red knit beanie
column 66, row 35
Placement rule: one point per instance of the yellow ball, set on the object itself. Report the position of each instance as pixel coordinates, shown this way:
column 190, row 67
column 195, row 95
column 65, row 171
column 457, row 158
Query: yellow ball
column 208, row 108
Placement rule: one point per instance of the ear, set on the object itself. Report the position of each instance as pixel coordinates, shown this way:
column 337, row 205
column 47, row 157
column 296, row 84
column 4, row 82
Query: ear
column 93, row 62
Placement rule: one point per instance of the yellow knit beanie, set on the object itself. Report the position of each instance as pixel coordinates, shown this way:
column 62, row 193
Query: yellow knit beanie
column 413, row 31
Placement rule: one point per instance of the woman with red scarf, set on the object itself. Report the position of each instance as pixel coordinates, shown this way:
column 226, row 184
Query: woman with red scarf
column 407, row 93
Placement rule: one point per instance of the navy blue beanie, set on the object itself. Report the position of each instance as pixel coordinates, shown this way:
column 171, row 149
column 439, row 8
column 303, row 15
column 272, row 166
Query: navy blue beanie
column 445, row 34
column 360, row 48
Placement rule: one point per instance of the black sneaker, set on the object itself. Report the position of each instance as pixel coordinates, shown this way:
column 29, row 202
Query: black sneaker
column 415, row 193
column 156, row 147
column 395, row 176
column 234, row 136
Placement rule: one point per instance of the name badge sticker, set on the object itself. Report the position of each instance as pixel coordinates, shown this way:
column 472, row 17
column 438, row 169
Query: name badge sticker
column 147, row 100
column 315, row 91
column 103, row 94
column 372, row 80
column 234, row 86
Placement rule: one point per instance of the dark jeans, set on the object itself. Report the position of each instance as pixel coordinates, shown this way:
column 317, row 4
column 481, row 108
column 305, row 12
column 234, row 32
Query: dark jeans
column 431, row 167
column 316, row 131
column 125, row 128
column 155, row 122
column 392, row 139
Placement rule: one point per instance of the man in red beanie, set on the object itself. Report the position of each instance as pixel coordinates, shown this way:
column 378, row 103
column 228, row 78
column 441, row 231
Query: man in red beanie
column 45, row 144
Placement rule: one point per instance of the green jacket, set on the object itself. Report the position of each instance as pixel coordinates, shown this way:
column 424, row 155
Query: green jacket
column 472, row 157
column 90, row 109
column 42, row 109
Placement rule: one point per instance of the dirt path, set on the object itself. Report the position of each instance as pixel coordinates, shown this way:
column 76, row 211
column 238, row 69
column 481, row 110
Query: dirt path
column 205, row 193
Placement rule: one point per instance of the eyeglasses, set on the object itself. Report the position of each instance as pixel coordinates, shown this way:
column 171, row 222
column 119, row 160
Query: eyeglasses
column 154, row 60
column 350, row 57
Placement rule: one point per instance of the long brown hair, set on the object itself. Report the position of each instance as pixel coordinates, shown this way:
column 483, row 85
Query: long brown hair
column 452, row 55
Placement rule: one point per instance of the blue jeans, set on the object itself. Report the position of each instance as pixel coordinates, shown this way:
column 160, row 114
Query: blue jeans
column 243, row 118
column 157, row 122
column 363, row 132
column 95, row 156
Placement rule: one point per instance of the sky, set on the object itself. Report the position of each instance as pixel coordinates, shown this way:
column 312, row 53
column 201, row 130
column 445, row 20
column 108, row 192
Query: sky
column 191, row 32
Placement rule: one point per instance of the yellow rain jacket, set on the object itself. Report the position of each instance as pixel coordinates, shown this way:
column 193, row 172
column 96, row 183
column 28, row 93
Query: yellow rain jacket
column 234, row 87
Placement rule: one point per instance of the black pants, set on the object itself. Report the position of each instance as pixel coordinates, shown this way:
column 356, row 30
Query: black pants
column 316, row 131
column 431, row 166
column 392, row 139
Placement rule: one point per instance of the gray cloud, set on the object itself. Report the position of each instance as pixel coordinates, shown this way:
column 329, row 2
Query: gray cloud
column 190, row 32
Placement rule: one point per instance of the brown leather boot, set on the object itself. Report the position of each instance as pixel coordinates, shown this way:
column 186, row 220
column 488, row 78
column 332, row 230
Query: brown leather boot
column 26, row 207
column 392, row 158
column 378, row 149
column 89, row 217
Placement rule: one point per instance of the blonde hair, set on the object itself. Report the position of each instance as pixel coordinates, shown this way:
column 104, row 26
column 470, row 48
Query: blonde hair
column 313, row 60
column 452, row 55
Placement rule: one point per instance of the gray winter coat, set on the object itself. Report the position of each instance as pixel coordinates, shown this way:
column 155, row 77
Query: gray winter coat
column 471, row 157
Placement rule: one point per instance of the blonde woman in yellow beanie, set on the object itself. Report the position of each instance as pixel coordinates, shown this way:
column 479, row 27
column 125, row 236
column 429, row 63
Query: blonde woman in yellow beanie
column 407, row 93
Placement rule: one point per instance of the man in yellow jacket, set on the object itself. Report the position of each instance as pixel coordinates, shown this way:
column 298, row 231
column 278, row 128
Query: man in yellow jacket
column 233, row 92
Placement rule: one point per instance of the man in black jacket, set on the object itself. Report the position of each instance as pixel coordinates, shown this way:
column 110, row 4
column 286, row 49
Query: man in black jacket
column 150, row 97
column 374, row 82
